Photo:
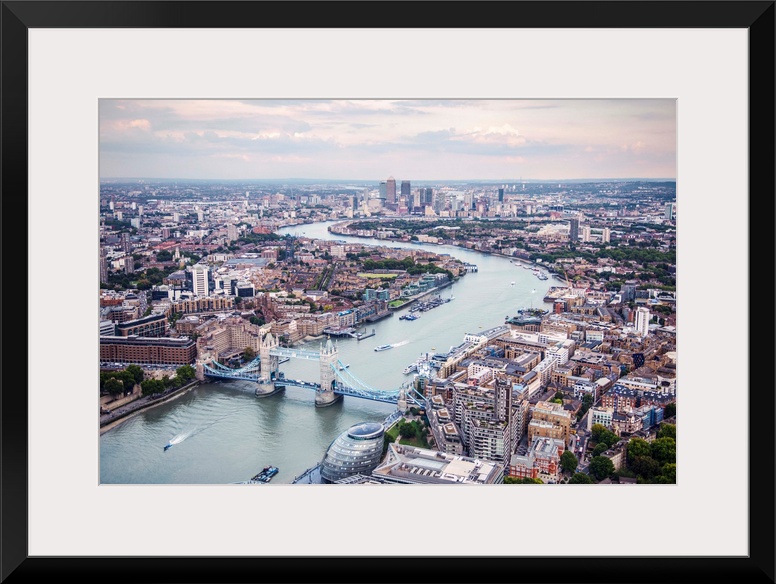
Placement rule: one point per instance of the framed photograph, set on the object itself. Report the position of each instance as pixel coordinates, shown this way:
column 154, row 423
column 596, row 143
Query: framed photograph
column 69, row 69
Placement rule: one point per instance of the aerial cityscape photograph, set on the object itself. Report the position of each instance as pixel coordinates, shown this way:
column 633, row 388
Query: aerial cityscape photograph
column 387, row 292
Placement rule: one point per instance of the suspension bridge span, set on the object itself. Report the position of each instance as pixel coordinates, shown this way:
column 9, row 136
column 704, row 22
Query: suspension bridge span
column 335, row 379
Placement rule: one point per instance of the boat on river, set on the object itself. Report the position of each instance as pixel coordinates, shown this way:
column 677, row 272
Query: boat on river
column 383, row 347
column 265, row 475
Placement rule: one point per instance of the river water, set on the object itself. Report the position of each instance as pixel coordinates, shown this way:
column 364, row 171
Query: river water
column 223, row 433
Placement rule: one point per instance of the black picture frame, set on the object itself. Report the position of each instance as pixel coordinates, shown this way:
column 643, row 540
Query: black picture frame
column 19, row 16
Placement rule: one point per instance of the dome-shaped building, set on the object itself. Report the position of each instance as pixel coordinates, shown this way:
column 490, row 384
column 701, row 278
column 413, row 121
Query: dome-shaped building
column 356, row 451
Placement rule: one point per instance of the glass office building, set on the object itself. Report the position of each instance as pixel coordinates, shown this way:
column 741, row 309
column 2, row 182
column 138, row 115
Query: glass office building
column 356, row 451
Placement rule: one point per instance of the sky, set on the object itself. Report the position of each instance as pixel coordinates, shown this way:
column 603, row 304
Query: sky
column 372, row 139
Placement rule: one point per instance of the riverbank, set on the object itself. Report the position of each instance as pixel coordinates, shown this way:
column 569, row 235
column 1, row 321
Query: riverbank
column 110, row 421
column 414, row 299
column 337, row 228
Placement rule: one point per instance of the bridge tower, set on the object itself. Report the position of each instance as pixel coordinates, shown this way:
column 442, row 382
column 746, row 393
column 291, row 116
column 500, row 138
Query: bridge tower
column 269, row 367
column 203, row 358
column 401, row 404
column 326, row 396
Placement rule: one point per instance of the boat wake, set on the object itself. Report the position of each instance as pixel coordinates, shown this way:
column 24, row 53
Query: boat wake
column 400, row 343
column 181, row 436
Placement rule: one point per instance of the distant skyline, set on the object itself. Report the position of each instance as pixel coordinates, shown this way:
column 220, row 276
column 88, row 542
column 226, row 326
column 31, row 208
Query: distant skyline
column 372, row 139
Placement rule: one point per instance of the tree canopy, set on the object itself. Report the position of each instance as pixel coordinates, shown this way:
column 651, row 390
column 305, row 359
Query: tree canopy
column 638, row 447
column 664, row 450
column 601, row 467
column 568, row 462
column 580, row 478
column 667, row 431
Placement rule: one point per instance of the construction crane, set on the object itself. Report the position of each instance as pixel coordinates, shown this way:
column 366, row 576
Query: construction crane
column 565, row 277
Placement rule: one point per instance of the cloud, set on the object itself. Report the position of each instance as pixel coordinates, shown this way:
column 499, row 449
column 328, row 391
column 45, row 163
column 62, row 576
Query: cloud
column 244, row 157
column 341, row 138
column 125, row 125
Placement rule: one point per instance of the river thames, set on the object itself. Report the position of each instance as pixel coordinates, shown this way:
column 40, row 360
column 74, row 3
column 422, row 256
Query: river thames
column 225, row 434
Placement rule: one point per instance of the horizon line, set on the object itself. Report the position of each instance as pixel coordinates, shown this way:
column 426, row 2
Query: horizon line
column 494, row 180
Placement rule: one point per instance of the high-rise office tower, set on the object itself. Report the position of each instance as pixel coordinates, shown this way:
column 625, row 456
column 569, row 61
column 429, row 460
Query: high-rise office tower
column 670, row 211
column 629, row 290
column 126, row 244
column 405, row 190
column 501, row 195
column 103, row 265
column 439, row 202
column 573, row 229
column 390, row 191
column 383, row 191
column 290, row 248
column 199, row 280
column 642, row 321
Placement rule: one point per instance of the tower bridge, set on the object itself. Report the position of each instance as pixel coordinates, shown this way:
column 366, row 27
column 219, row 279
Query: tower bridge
column 335, row 379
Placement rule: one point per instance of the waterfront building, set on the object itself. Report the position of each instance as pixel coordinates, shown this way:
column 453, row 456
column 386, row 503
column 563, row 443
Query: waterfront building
column 154, row 325
column 420, row 466
column 358, row 450
column 164, row 351
column 107, row 328
column 225, row 338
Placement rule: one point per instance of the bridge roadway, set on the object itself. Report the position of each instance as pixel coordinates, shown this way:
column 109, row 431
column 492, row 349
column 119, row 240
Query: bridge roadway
column 345, row 381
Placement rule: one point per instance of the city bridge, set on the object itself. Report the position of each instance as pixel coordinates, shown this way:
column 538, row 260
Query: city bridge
column 336, row 379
